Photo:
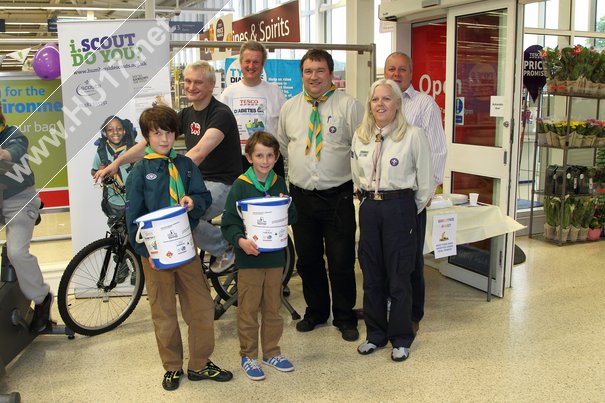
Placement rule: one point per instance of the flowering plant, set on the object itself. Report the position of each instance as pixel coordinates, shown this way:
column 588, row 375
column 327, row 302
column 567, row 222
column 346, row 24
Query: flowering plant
column 595, row 127
column 573, row 63
column 590, row 127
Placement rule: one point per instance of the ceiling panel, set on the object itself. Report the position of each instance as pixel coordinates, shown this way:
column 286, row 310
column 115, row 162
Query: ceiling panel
column 27, row 19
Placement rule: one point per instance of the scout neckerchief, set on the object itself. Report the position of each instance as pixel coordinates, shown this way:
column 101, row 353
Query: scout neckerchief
column 315, row 122
column 376, row 156
column 177, row 190
column 250, row 177
column 380, row 133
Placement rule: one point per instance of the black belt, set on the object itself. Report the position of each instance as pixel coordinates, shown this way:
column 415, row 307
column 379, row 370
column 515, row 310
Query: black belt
column 347, row 186
column 387, row 195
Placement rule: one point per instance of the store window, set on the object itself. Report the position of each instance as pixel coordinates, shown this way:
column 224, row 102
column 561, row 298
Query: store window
column 383, row 38
column 336, row 32
column 552, row 14
column 600, row 16
column 558, row 23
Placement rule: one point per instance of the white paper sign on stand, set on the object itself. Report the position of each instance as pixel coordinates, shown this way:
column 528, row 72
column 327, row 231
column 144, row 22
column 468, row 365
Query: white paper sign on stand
column 444, row 235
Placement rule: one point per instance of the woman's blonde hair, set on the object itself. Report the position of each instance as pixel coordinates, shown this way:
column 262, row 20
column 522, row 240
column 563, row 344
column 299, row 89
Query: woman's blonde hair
column 365, row 131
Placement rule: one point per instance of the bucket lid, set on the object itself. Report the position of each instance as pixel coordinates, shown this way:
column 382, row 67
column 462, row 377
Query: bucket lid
column 266, row 201
column 163, row 213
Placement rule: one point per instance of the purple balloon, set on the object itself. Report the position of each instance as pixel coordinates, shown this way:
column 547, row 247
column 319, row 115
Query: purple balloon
column 46, row 62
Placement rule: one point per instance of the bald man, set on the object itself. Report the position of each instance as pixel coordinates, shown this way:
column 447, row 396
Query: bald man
column 422, row 111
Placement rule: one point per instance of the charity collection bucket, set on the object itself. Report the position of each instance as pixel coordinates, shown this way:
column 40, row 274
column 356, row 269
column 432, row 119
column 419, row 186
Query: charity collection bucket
column 167, row 235
column 266, row 221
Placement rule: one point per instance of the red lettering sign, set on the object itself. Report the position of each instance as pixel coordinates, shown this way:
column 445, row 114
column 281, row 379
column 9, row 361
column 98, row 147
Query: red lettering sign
column 428, row 60
column 279, row 24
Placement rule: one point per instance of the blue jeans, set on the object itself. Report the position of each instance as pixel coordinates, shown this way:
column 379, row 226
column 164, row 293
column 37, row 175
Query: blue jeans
column 207, row 236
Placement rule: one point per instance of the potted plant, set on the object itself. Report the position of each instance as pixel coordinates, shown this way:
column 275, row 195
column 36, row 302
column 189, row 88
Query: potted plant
column 593, row 132
column 574, row 70
column 576, row 217
column 563, row 229
column 543, row 130
column 552, row 211
column 594, row 233
column 587, row 211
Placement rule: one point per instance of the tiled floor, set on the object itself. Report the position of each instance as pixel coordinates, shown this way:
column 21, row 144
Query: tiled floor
column 542, row 342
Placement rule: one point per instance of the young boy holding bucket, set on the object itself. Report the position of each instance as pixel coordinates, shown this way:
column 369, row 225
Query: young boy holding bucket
column 259, row 279
column 162, row 179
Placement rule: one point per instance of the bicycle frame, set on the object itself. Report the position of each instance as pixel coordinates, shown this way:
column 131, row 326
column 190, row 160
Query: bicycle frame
column 92, row 303
column 118, row 232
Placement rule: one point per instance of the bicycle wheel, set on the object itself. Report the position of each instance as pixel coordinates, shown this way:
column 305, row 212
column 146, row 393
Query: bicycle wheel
column 225, row 283
column 290, row 260
column 98, row 290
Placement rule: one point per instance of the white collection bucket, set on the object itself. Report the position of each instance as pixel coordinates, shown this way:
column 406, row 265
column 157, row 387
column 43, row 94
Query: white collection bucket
column 167, row 235
column 266, row 221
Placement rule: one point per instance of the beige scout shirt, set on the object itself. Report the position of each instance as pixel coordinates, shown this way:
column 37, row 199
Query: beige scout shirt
column 404, row 165
column 340, row 115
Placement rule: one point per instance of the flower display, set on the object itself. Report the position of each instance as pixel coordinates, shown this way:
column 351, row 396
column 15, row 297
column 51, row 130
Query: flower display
column 578, row 133
column 575, row 70
column 574, row 63
column 574, row 219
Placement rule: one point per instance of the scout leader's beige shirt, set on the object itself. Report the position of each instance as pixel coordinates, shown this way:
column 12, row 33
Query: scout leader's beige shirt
column 340, row 115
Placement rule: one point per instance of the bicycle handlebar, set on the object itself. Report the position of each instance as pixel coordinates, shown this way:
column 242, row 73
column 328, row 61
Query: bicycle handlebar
column 109, row 181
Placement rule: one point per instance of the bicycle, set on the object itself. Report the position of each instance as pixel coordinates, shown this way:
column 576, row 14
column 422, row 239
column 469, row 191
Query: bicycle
column 103, row 283
column 225, row 284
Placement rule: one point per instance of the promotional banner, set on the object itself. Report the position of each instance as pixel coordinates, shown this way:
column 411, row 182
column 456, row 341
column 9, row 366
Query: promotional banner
column 285, row 73
column 120, row 72
column 428, row 72
column 278, row 24
column 219, row 29
column 534, row 75
column 35, row 106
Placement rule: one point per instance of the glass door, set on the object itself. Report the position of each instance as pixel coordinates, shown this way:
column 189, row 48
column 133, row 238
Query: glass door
column 481, row 130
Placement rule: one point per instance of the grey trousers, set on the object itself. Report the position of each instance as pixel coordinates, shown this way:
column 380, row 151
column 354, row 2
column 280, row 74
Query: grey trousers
column 209, row 237
column 20, row 213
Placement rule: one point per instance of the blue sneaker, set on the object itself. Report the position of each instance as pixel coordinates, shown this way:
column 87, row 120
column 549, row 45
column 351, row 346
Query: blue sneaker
column 252, row 369
column 280, row 363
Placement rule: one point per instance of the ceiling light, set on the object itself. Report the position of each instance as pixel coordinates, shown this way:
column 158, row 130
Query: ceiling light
column 54, row 7
column 13, row 6
column 26, row 23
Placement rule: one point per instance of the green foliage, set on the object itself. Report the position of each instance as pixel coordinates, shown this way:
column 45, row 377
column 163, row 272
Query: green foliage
column 595, row 223
column 576, row 215
column 600, row 176
column 552, row 210
column 589, row 127
column 568, row 208
column 573, row 63
column 583, row 211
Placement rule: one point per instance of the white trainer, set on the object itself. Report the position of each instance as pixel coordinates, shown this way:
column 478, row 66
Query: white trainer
column 400, row 353
column 223, row 262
